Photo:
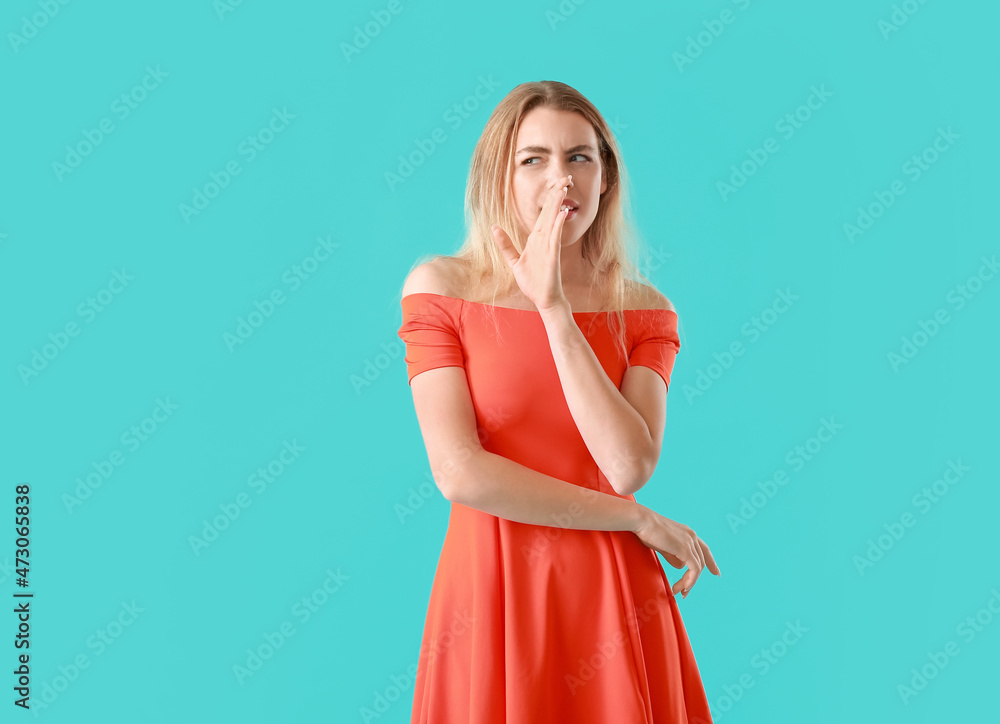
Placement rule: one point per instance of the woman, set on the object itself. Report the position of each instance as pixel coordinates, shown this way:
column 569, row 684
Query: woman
column 542, row 413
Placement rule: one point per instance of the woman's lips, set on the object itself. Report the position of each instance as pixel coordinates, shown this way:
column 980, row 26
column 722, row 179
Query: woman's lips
column 573, row 206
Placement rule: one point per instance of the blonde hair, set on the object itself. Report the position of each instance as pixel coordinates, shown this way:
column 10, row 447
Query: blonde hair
column 610, row 244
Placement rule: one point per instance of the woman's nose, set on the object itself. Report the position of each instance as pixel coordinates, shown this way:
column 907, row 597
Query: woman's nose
column 559, row 177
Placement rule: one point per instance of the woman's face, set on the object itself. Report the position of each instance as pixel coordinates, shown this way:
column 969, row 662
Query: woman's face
column 551, row 144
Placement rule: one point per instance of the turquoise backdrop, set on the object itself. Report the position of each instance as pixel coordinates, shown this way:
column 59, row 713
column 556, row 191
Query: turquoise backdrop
column 209, row 209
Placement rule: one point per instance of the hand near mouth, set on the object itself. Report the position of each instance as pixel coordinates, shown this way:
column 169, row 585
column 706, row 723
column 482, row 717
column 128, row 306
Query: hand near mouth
column 537, row 269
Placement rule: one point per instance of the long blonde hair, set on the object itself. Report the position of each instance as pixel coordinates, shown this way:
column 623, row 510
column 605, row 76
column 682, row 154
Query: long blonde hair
column 610, row 244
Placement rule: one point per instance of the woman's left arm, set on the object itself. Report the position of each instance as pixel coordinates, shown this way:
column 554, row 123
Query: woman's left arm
column 622, row 429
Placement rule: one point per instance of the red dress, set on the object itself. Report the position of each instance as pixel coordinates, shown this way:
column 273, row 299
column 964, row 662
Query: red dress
column 532, row 624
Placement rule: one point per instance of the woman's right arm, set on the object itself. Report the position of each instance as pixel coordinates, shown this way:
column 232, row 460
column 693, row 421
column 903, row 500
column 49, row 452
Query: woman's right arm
column 467, row 474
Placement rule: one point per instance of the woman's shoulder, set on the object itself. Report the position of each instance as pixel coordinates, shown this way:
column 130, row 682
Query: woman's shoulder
column 444, row 275
column 644, row 296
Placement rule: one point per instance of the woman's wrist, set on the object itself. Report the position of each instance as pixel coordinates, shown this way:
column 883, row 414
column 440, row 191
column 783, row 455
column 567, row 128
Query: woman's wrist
column 639, row 515
column 561, row 311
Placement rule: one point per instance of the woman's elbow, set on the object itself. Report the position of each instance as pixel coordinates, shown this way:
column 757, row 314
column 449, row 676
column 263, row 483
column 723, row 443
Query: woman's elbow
column 453, row 475
column 631, row 473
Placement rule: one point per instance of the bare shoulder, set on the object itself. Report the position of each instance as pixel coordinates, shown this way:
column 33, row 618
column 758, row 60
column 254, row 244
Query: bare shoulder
column 644, row 296
column 442, row 275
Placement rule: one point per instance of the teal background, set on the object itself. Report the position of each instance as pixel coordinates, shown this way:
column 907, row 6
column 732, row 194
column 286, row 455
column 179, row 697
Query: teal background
column 334, row 508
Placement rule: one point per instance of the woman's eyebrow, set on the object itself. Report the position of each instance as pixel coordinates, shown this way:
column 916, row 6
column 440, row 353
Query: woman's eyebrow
column 543, row 149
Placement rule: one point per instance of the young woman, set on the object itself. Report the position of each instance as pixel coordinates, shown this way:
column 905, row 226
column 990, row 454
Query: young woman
column 539, row 365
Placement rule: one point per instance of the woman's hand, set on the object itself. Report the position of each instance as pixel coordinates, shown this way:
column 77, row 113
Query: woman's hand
column 537, row 269
column 678, row 544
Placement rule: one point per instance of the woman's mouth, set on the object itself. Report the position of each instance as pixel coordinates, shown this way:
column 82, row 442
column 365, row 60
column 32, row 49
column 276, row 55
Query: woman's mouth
column 573, row 207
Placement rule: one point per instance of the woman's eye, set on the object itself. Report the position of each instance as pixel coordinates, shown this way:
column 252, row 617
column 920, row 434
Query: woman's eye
column 535, row 158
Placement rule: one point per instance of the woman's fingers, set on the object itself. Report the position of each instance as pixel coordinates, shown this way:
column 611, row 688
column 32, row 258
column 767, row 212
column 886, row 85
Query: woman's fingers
column 673, row 560
column 554, row 239
column 552, row 200
column 695, row 560
column 555, row 235
column 689, row 540
column 699, row 554
column 550, row 208
column 507, row 247
column 685, row 549
column 683, row 584
column 689, row 579
column 709, row 559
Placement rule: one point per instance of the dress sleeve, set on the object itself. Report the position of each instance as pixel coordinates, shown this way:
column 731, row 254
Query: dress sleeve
column 430, row 329
column 656, row 343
